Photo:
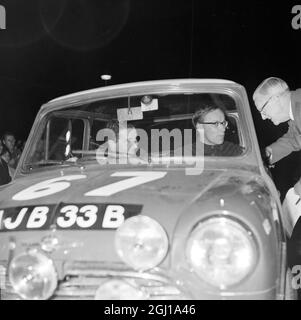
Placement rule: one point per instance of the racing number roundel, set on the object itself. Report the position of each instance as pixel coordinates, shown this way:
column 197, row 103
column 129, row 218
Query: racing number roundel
column 52, row 186
column 47, row 187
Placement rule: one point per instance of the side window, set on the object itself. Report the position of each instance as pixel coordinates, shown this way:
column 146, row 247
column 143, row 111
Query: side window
column 58, row 128
column 97, row 125
column 77, row 134
column 39, row 152
column 60, row 138
column 232, row 133
column 65, row 135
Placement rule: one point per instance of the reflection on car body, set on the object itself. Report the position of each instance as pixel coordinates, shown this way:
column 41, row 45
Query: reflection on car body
column 79, row 224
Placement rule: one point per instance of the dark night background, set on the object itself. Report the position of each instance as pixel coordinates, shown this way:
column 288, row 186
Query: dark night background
column 54, row 47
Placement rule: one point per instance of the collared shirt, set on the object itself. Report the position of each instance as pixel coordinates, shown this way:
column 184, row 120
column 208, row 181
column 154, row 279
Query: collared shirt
column 291, row 111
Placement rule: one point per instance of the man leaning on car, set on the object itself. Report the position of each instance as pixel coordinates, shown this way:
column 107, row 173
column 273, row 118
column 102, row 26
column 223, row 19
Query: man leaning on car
column 276, row 102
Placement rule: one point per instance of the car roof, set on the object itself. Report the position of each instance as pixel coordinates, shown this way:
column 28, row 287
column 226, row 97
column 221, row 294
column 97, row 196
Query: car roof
column 123, row 88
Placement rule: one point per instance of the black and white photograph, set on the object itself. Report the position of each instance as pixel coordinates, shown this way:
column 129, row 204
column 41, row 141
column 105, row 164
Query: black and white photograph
column 150, row 150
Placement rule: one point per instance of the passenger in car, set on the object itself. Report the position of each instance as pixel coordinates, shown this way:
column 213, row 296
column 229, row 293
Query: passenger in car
column 125, row 142
column 126, row 138
column 211, row 124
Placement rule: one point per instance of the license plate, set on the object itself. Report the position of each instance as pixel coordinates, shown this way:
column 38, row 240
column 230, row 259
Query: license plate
column 67, row 216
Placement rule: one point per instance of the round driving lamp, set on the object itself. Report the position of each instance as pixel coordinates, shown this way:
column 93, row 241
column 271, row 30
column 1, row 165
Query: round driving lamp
column 221, row 251
column 119, row 289
column 33, row 276
column 141, row 242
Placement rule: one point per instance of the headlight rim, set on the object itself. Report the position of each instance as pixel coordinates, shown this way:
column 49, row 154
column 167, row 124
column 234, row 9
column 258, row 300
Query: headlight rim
column 166, row 240
column 34, row 252
column 251, row 235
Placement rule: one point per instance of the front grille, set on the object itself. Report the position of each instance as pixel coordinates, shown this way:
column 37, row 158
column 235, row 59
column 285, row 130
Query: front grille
column 6, row 290
column 82, row 279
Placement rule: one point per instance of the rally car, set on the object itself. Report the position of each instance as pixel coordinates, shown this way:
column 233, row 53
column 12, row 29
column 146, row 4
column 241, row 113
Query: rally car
column 79, row 223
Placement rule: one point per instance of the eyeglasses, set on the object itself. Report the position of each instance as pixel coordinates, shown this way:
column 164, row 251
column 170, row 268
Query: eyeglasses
column 217, row 123
column 270, row 98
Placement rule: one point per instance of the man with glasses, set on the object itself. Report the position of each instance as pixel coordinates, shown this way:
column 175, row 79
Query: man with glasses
column 277, row 103
column 210, row 122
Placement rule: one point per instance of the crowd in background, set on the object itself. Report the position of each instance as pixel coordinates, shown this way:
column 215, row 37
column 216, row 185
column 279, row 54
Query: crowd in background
column 10, row 152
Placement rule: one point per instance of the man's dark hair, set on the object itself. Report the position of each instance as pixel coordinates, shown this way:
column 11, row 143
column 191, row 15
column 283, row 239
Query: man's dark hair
column 8, row 133
column 200, row 114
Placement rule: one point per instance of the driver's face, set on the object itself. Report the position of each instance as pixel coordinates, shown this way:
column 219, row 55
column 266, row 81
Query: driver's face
column 214, row 134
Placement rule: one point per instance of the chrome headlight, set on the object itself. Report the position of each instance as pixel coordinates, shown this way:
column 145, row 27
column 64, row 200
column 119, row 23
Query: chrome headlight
column 141, row 242
column 33, row 275
column 221, row 251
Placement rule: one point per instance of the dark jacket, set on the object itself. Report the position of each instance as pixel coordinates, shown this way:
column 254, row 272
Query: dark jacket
column 226, row 149
column 290, row 141
column 4, row 173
